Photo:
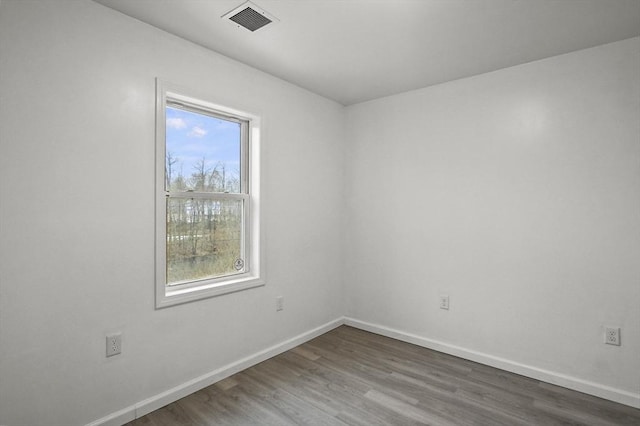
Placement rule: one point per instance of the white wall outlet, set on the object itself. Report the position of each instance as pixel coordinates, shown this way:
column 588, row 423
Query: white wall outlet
column 444, row 301
column 612, row 336
column 114, row 344
column 279, row 303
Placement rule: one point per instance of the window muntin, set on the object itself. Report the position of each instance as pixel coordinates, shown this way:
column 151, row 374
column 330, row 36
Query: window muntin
column 207, row 230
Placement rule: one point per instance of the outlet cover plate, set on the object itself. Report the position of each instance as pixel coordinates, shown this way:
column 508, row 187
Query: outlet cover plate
column 612, row 336
column 114, row 344
column 444, row 301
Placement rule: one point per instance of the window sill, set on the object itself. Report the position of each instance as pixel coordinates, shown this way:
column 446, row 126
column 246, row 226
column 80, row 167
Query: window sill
column 178, row 296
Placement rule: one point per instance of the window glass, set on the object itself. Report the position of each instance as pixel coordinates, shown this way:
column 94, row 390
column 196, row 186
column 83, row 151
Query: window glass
column 202, row 152
column 204, row 239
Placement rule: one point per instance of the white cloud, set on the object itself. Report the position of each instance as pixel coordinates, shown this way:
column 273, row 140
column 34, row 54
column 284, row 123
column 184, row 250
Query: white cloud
column 197, row 132
column 176, row 123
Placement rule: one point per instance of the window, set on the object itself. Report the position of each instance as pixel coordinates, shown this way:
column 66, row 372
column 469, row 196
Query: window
column 207, row 198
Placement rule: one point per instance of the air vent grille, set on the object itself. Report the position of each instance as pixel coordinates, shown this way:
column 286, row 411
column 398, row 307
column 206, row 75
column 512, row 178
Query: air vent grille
column 250, row 19
column 249, row 16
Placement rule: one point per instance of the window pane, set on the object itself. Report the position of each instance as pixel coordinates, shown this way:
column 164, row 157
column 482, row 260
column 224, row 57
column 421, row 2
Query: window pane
column 202, row 152
column 204, row 239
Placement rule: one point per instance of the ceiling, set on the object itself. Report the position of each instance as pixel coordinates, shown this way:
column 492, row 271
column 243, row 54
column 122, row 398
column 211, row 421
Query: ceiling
column 356, row 50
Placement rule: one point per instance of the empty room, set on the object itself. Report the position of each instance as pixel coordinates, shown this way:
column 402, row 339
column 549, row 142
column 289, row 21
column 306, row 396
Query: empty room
column 327, row 212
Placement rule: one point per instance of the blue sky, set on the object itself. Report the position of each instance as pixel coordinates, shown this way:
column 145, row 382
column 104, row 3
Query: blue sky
column 190, row 136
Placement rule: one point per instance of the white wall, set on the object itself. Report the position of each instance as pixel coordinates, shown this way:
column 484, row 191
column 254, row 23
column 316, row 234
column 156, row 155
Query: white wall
column 77, row 221
column 515, row 193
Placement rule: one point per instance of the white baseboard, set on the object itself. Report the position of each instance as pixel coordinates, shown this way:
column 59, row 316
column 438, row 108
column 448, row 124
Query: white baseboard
column 584, row 386
column 157, row 401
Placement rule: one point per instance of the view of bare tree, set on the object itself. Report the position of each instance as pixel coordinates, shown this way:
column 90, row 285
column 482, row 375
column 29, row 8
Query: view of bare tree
column 204, row 236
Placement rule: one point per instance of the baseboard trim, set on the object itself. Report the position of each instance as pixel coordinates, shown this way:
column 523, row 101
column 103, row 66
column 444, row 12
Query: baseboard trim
column 591, row 388
column 158, row 401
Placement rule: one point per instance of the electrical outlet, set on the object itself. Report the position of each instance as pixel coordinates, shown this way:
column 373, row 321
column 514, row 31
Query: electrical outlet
column 114, row 344
column 612, row 336
column 444, row 302
column 279, row 303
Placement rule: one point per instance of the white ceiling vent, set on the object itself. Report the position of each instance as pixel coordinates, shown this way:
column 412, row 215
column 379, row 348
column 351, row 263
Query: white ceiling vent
column 249, row 16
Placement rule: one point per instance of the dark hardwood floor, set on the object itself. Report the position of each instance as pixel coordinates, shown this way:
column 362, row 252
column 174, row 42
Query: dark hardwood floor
column 352, row 377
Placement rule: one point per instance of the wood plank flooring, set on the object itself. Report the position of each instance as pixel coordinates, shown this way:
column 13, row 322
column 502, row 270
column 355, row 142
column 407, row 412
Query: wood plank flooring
column 352, row 377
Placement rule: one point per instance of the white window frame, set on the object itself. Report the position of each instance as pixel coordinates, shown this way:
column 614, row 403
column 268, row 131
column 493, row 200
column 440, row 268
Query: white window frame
column 169, row 295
